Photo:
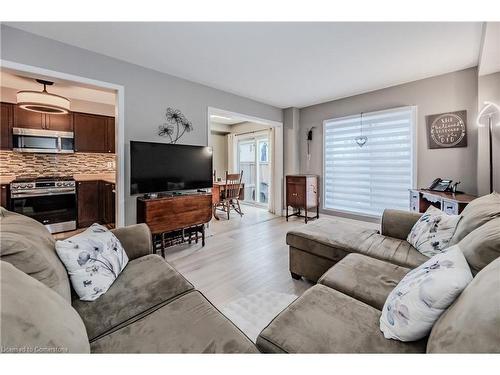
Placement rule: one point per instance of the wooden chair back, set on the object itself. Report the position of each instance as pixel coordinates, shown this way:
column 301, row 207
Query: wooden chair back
column 233, row 185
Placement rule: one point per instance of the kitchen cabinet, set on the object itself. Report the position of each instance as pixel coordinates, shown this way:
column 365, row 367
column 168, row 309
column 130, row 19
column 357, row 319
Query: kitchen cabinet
column 94, row 133
column 6, row 121
column 5, row 196
column 96, row 202
column 42, row 121
column 107, row 198
column 63, row 123
column 88, row 202
column 110, row 135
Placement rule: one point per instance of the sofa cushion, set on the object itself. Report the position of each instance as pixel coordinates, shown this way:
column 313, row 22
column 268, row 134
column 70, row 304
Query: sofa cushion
column 334, row 240
column 472, row 323
column 482, row 246
column 188, row 324
column 475, row 214
column 28, row 245
column 37, row 319
column 146, row 283
column 366, row 279
column 323, row 320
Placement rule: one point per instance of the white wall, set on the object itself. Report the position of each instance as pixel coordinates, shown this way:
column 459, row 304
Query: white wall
column 449, row 92
column 147, row 92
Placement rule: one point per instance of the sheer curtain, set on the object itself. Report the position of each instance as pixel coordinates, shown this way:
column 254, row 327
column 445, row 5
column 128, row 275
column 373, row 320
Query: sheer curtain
column 231, row 154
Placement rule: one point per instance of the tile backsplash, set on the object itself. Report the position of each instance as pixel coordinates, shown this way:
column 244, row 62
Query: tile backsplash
column 28, row 164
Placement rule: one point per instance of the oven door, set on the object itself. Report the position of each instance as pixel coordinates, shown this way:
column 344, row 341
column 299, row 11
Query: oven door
column 56, row 211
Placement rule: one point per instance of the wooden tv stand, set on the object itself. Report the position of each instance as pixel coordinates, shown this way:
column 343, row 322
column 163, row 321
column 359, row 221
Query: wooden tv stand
column 175, row 219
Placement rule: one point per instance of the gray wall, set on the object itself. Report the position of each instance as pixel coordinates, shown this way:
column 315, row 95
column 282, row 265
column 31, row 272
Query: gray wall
column 291, row 140
column 449, row 92
column 147, row 92
column 488, row 90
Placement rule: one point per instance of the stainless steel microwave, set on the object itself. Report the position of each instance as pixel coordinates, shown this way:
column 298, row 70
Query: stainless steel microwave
column 42, row 141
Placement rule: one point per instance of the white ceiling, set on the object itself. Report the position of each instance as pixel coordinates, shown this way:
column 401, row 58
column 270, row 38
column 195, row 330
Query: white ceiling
column 283, row 64
column 70, row 90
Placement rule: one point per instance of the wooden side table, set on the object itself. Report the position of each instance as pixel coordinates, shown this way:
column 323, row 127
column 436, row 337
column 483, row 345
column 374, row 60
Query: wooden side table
column 302, row 193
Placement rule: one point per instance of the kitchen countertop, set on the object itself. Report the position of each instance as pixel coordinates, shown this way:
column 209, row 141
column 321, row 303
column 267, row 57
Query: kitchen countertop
column 108, row 177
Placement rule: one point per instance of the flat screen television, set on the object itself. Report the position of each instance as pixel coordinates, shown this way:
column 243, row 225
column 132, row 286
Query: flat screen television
column 160, row 167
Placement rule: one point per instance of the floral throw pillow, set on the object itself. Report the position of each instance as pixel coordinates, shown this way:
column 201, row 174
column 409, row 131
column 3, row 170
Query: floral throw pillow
column 423, row 295
column 432, row 233
column 93, row 259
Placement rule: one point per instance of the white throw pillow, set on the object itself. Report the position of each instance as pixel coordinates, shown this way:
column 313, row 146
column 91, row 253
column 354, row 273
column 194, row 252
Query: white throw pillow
column 432, row 233
column 93, row 259
column 423, row 295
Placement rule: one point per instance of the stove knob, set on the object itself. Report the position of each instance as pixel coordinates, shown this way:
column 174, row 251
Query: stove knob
column 59, row 184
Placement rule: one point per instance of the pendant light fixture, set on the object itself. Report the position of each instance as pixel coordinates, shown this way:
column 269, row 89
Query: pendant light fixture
column 361, row 139
column 43, row 101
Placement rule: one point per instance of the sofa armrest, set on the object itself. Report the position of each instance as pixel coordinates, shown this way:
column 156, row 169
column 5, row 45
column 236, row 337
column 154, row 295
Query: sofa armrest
column 135, row 239
column 397, row 223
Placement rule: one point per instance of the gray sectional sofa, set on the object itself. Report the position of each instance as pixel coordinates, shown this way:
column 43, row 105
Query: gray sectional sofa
column 150, row 308
column 356, row 269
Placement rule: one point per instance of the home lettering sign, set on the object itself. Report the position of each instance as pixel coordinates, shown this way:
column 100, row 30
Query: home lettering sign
column 447, row 130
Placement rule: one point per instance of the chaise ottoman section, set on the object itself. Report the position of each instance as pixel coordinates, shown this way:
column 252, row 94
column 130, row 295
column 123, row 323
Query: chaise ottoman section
column 324, row 320
column 188, row 324
column 318, row 246
column 366, row 279
column 145, row 284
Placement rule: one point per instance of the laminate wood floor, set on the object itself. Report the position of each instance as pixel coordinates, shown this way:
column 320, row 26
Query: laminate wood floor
column 249, row 256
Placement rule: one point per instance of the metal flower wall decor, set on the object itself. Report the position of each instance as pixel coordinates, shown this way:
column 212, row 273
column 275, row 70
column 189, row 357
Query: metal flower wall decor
column 177, row 124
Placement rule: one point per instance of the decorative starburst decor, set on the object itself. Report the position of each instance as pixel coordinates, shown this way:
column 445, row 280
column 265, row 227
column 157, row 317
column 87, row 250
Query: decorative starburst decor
column 177, row 124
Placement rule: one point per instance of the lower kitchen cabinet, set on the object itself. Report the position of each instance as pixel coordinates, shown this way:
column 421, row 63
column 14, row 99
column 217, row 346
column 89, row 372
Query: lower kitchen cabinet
column 87, row 194
column 5, row 196
column 96, row 203
column 107, row 196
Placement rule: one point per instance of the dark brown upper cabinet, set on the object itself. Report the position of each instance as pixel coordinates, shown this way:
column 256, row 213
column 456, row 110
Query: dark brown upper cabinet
column 94, row 133
column 6, row 122
column 110, row 135
column 35, row 120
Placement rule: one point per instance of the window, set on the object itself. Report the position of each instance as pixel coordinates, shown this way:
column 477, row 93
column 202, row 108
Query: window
column 377, row 175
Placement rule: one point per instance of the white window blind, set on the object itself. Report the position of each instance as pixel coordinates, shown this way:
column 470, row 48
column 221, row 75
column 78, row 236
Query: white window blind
column 368, row 179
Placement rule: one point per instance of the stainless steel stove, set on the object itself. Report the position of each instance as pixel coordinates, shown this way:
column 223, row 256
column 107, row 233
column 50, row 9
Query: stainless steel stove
column 49, row 200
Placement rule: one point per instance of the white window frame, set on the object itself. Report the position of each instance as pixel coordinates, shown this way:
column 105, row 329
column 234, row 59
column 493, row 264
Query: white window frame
column 414, row 156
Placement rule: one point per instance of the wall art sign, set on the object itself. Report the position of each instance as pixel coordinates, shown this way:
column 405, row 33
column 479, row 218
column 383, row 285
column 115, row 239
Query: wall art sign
column 177, row 124
column 447, row 130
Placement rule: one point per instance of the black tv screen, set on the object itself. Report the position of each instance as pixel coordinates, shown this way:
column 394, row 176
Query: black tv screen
column 159, row 167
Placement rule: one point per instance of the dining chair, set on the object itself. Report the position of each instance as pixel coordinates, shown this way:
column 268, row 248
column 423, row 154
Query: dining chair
column 230, row 194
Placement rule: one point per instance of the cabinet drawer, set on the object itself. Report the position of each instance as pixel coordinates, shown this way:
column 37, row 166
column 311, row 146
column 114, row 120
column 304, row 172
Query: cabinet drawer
column 295, row 180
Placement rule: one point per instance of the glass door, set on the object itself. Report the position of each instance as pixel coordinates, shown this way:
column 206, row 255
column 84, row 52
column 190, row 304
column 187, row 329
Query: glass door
column 254, row 161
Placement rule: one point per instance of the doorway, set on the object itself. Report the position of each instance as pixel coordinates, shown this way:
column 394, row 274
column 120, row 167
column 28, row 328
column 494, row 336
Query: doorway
column 255, row 146
column 253, row 159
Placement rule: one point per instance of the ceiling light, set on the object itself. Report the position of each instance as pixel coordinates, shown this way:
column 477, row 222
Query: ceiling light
column 42, row 101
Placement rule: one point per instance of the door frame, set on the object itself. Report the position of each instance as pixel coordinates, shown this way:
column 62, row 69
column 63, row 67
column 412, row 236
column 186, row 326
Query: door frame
column 278, row 147
column 119, row 122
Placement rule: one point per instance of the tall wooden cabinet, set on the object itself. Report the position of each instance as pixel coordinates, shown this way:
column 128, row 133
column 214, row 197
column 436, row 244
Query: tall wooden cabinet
column 302, row 193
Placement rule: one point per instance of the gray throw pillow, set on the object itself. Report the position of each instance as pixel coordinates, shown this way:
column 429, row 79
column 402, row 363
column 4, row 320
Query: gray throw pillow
column 482, row 245
column 475, row 214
